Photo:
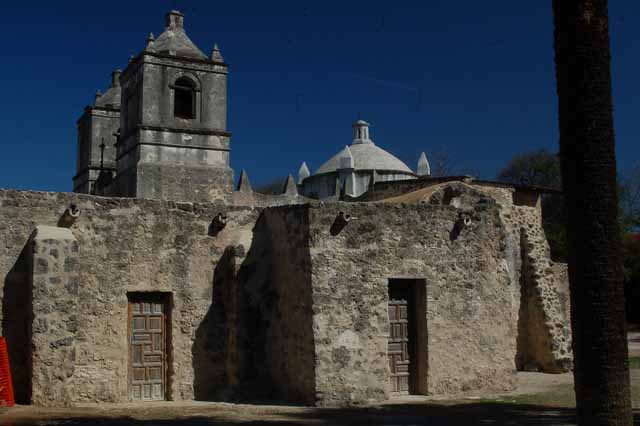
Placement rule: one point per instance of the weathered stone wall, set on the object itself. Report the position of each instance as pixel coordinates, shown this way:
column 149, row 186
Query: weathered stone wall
column 280, row 296
column 542, row 296
column 280, row 302
column 545, row 333
column 541, row 291
column 181, row 182
column 540, row 287
column 55, row 287
column 471, row 338
column 124, row 245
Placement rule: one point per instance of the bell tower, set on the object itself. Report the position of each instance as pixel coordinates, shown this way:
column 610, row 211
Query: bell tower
column 173, row 142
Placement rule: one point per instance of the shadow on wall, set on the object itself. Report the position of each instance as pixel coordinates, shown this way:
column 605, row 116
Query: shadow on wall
column 17, row 318
column 243, row 347
column 230, row 340
column 210, row 348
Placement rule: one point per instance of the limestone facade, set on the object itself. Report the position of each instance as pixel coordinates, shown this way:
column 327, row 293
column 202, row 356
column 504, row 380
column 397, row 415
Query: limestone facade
column 282, row 298
column 165, row 284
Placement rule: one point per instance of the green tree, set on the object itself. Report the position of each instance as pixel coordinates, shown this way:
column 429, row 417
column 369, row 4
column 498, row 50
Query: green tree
column 274, row 187
column 539, row 168
column 588, row 164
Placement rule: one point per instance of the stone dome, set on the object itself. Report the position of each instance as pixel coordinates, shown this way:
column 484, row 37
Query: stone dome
column 366, row 155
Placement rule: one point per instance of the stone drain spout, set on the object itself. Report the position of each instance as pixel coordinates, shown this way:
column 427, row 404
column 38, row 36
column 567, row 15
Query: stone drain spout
column 69, row 217
column 340, row 222
column 218, row 224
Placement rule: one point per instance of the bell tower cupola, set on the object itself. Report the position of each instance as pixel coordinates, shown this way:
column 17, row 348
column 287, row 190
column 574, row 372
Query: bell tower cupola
column 173, row 141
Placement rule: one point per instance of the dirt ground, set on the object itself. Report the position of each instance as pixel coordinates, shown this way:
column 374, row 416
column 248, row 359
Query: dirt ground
column 205, row 414
column 540, row 399
column 513, row 408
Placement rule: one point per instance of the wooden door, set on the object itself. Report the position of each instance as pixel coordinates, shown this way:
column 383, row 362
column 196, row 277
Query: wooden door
column 147, row 339
column 399, row 345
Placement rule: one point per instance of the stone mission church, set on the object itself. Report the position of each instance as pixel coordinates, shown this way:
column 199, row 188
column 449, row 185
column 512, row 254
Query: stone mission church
column 159, row 279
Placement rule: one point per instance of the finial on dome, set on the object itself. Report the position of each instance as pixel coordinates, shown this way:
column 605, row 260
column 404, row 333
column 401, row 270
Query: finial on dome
column 361, row 132
column 244, row 185
column 216, row 55
column 303, row 172
column 424, row 169
column 131, row 57
column 98, row 94
column 346, row 159
column 115, row 78
column 174, row 20
column 150, row 39
column 290, row 187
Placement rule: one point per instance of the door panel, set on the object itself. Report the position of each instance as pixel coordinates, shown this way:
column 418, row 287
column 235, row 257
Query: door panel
column 148, row 358
column 399, row 357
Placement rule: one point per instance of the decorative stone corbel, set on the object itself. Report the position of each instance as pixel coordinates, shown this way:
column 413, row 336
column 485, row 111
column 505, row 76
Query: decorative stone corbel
column 340, row 222
column 69, row 217
column 218, row 224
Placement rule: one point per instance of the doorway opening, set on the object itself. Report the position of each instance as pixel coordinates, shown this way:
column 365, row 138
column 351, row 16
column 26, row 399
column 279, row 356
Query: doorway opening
column 407, row 348
column 149, row 327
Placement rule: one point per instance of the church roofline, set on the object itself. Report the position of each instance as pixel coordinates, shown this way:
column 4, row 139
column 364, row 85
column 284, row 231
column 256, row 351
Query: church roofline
column 463, row 178
column 184, row 58
column 379, row 171
column 139, row 59
column 89, row 109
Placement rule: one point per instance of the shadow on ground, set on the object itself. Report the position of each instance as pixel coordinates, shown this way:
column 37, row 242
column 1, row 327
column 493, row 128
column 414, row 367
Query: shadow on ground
column 405, row 414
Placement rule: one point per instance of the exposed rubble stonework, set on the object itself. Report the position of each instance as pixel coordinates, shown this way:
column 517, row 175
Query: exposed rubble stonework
column 278, row 297
column 541, row 301
column 547, row 339
column 467, row 293
column 395, row 283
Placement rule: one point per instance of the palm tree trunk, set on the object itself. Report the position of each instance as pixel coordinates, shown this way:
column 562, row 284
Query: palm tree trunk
column 587, row 152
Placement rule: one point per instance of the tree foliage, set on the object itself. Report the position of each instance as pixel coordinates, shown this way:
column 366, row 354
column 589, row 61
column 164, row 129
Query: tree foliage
column 539, row 168
column 274, row 187
column 441, row 163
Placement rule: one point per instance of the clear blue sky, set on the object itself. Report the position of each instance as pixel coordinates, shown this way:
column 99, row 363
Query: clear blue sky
column 473, row 78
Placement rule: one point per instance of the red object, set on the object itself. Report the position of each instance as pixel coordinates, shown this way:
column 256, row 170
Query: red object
column 6, row 385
